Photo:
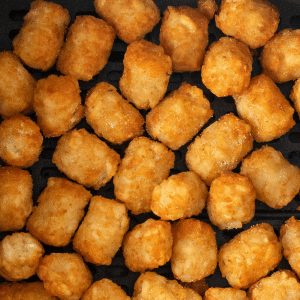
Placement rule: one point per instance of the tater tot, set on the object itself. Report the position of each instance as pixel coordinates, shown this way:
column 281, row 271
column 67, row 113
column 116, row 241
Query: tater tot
column 132, row 19
column 148, row 245
column 280, row 57
column 21, row 141
column 42, row 35
column 207, row 8
column 87, row 48
column 111, row 116
column 276, row 181
column 16, row 86
column 184, row 37
column 194, row 255
column 58, row 213
column 20, row 255
column 150, row 286
column 179, row 116
column 65, row 275
column 220, row 147
column 15, row 198
column 265, row 109
column 146, row 164
column 101, row 232
column 250, row 255
column 83, row 157
column 290, row 239
column 147, row 70
column 281, row 285
column 295, row 96
column 252, row 21
column 216, row 293
column 57, row 104
column 227, row 67
column 180, row 196
column 231, row 201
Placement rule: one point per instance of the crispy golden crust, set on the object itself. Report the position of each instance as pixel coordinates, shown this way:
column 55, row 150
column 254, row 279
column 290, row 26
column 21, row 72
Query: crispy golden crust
column 252, row 21
column 65, row 275
column 83, row 157
column 276, row 181
column 207, row 8
column 280, row 57
column 100, row 235
column 146, row 164
column 59, row 211
column 111, row 116
column 21, row 141
column 194, row 255
column 42, row 35
column 57, row 104
column 146, row 74
column 20, row 255
column 179, row 116
column 87, row 48
column 250, row 255
column 295, row 96
column 227, row 67
column 132, row 19
column 15, row 198
column 225, row 294
column 184, row 37
column 220, row 147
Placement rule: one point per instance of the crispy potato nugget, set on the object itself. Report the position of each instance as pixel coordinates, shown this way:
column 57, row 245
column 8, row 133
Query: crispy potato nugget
column 252, row 21
column 180, row 196
column 179, row 116
column 231, row 201
column 148, row 245
column 132, row 19
column 295, row 96
column 194, row 255
column 265, row 109
column 147, row 70
column 101, row 232
column 59, row 211
column 220, row 147
column 280, row 57
column 276, row 181
column 145, row 165
column 57, row 104
column 21, row 141
column 87, row 48
column 83, row 157
column 227, row 67
column 207, row 8
column 184, row 37
column 250, row 255
column 20, row 255
column 15, row 198
column 42, row 35
column 150, row 286
column 225, row 294
column 65, row 275
column 111, row 116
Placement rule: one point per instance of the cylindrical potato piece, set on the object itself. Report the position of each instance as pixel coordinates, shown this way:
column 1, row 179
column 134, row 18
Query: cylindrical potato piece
column 295, row 96
column 227, row 67
column 220, row 147
column 250, row 255
column 225, row 294
column 59, row 211
column 253, row 22
column 276, row 181
column 111, row 116
column 131, row 19
column 20, row 255
column 101, row 232
column 180, row 196
column 184, row 37
column 42, row 34
column 147, row 70
column 83, row 157
column 179, row 116
column 87, row 48
column 15, row 198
